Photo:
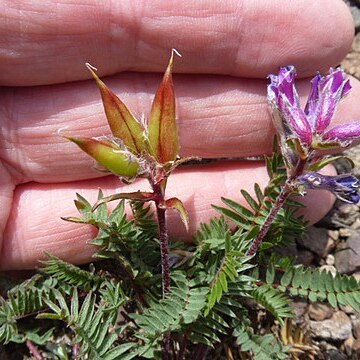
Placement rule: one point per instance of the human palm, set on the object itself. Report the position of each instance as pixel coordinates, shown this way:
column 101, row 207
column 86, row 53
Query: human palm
column 228, row 48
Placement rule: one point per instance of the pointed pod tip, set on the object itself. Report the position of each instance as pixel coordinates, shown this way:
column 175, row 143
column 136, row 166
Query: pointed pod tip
column 174, row 51
column 170, row 64
column 90, row 67
column 93, row 70
column 61, row 130
column 74, row 139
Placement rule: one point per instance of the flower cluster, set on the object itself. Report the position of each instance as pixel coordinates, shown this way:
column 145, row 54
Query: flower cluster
column 306, row 133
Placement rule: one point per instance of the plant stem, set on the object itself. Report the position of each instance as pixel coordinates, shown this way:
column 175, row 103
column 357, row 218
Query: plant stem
column 279, row 203
column 164, row 250
column 33, row 350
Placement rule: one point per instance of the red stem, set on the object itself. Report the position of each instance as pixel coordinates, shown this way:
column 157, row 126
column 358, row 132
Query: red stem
column 164, row 250
column 33, row 350
column 284, row 193
column 279, row 203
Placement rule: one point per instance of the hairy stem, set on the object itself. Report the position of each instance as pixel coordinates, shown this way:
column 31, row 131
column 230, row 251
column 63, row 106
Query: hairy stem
column 164, row 249
column 279, row 203
column 33, row 350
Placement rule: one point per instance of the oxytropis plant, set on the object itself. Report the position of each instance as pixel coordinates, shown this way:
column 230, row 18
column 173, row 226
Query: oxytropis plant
column 135, row 151
column 306, row 138
column 208, row 306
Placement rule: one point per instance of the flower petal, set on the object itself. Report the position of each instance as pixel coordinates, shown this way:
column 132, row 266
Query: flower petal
column 109, row 155
column 284, row 99
column 346, row 132
column 282, row 84
column 346, row 187
column 162, row 128
column 331, row 89
column 311, row 105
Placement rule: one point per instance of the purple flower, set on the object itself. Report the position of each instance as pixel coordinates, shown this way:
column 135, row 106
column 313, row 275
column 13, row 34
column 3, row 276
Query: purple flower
column 345, row 187
column 310, row 125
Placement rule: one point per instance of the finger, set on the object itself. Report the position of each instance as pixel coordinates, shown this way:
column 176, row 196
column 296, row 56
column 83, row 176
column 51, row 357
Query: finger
column 218, row 117
column 35, row 226
column 242, row 38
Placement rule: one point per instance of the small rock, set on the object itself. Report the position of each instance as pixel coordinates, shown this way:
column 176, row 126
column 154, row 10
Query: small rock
column 320, row 311
column 289, row 250
column 355, row 12
column 330, row 246
column 300, row 308
column 348, row 345
column 356, row 224
column 348, row 209
column 356, row 328
column 337, row 328
column 304, row 257
column 330, row 260
column 354, row 2
column 351, row 63
column 345, row 216
column 356, row 348
column 336, row 354
column 356, row 276
column 345, row 232
column 347, row 309
column 315, row 240
column 347, row 256
column 333, row 234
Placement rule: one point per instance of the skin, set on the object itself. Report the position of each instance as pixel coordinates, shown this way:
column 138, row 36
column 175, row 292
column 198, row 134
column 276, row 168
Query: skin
column 228, row 48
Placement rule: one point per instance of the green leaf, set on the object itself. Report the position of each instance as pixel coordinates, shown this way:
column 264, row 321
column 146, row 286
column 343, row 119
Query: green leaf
column 242, row 210
column 274, row 301
column 137, row 195
column 118, row 352
column 254, row 205
column 70, row 274
column 183, row 305
column 270, row 274
column 259, row 193
column 332, row 300
column 328, row 160
column 235, row 217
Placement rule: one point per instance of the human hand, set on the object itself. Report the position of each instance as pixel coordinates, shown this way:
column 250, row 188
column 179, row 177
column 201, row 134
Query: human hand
column 228, row 48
